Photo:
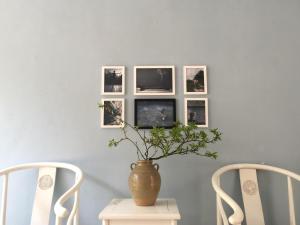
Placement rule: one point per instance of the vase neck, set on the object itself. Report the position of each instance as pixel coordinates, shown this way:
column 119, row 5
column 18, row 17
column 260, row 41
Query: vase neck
column 145, row 162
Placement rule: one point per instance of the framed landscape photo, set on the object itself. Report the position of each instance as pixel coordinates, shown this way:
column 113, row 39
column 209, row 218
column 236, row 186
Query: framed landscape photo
column 154, row 80
column 196, row 111
column 195, row 80
column 113, row 80
column 149, row 113
column 112, row 113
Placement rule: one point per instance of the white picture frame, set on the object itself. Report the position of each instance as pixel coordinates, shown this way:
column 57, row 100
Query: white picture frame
column 193, row 71
column 110, row 85
column 160, row 83
column 113, row 122
column 191, row 110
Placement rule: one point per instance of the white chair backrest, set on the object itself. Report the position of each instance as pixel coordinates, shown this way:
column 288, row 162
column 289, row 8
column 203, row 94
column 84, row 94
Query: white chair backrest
column 251, row 197
column 43, row 196
column 44, row 193
column 250, row 193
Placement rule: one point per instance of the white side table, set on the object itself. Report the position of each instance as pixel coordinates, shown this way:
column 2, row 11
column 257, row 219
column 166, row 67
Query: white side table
column 125, row 212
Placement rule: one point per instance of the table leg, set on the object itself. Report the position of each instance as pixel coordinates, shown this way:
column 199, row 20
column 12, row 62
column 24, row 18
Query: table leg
column 174, row 222
column 105, row 222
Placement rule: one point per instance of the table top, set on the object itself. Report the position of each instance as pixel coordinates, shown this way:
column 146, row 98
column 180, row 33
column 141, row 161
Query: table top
column 164, row 209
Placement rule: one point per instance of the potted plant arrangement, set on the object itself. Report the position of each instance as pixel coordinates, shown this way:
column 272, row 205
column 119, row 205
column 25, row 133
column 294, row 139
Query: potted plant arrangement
column 158, row 143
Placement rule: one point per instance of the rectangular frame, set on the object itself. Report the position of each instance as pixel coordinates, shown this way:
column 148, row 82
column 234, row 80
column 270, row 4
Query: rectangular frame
column 186, row 92
column 153, row 93
column 136, row 101
column 186, row 110
column 103, row 80
column 102, row 113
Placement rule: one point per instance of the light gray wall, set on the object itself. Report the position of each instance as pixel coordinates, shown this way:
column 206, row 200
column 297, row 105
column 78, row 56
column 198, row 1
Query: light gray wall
column 50, row 54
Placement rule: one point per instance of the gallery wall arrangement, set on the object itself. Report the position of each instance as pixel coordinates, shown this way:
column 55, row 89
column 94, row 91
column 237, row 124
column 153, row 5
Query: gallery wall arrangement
column 52, row 53
column 154, row 81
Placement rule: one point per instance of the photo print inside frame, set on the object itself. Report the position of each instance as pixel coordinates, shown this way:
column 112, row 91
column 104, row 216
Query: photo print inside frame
column 112, row 113
column 154, row 80
column 196, row 111
column 195, row 80
column 113, row 80
column 151, row 113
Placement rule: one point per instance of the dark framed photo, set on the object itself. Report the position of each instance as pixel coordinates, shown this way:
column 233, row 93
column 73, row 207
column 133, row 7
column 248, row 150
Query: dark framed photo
column 112, row 113
column 113, row 80
column 196, row 111
column 195, row 80
column 154, row 80
column 149, row 113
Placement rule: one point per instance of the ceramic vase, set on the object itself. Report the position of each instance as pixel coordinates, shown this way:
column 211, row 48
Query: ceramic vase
column 144, row 182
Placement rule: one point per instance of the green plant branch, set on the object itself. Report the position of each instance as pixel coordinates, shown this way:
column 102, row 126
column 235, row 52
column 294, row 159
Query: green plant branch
column 180, row 140
column 180, row 150
column 134, row 143
column 143, row 138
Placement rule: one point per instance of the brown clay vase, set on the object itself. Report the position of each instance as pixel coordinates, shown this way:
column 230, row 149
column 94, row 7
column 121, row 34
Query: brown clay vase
column 144, row 182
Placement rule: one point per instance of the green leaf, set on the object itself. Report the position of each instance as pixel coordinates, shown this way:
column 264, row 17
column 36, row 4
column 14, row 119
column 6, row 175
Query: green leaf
column 112, row 143
column 213, row 155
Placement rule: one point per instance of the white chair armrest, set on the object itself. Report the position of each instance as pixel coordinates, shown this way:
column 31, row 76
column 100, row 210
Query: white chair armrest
column 238, row 216
column 59, row 209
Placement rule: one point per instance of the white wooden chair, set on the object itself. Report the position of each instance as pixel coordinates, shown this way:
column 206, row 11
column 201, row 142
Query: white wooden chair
column 250, row 193
column 44, row 193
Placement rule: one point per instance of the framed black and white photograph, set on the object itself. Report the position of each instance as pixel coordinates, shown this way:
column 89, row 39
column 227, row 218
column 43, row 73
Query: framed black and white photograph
column 151, row 113
column 196, row 111
column 112, row 113
column 154, row 80
column 195, row 80
column 113, row 80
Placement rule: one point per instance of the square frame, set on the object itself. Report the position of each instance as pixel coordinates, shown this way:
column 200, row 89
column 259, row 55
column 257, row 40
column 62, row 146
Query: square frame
column 153, row 93
column 102, row 113
column 136, row 101
column 103, row 92
column 186, row 110
column 186, row 92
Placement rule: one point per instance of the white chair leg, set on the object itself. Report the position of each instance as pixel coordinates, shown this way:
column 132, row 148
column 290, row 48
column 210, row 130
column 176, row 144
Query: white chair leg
column 58, row 221
column 4, row 200
column 291, row 202
column 76, row 218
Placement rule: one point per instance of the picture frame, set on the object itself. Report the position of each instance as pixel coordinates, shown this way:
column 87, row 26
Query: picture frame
column 195, row 80
column 196, row 111
column 113, row 80
column 112, row 114
column 149, row 113
column 154, row 80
